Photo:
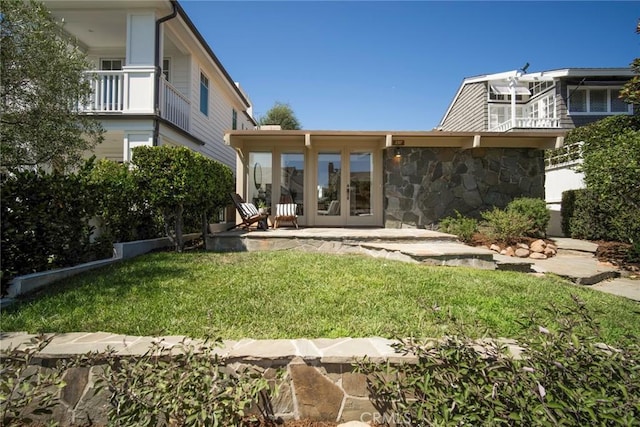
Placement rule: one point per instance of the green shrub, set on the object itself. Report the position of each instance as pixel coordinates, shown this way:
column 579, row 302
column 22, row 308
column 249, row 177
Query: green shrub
column 506, row 226
column 189, row 386
column 565, row 376
column 537, row 212
column 123, row 212
column 461, row 226
column 567, row 210
column 45, row 223
column 24, row 390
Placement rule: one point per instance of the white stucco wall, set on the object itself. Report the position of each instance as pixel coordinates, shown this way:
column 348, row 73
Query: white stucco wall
column 558, row 179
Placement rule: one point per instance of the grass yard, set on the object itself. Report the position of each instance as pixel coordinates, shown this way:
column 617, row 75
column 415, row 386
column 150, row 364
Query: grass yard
column 295, row 295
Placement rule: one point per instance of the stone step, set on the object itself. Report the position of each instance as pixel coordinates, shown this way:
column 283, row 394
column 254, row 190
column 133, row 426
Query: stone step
column 449, row 253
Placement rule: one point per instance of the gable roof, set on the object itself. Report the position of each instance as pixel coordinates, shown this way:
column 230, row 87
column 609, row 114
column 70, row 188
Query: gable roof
column 539, row 75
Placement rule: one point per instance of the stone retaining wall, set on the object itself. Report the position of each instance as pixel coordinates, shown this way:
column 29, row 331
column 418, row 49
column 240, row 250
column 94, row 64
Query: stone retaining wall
column 424, row 185
column 319, row 381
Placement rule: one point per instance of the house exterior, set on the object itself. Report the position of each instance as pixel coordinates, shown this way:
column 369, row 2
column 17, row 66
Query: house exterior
column 387, row 178
column 155, row 79
column 563, row 99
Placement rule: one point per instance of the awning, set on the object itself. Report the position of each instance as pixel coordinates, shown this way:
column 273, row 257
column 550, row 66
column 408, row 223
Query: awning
column 504, row 89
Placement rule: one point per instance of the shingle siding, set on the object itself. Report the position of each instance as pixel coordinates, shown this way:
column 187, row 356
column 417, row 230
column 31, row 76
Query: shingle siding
column 469, row 112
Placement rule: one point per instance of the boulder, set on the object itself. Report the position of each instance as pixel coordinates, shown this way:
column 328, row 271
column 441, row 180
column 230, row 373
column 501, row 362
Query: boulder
column 494, row 248
column 549, row 251
column 522, row 246
column 538, row 246
column 522, row 253
column 510, row 251
column 537, row 255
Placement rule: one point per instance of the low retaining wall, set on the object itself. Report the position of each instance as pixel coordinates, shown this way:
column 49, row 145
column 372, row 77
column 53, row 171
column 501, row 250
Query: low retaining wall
column 30, row 282
column 319, row 382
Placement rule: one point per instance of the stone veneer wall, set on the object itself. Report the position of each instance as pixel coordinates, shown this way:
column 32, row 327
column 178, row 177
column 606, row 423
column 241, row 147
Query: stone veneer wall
column 425, row 185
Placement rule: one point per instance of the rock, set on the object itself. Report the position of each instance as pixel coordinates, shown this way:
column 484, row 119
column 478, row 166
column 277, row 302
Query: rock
column 522, row 253
column 549, row 251
column 538, row 246
column 503, row 252
column 510, row 251
column 494, row 248
column 552, row 246
column 537, row 255
column 522, row 246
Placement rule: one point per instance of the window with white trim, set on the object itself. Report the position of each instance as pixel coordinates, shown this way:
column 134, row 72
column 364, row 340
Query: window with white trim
column 204, row 94
column 111, row 64
column 596, row 101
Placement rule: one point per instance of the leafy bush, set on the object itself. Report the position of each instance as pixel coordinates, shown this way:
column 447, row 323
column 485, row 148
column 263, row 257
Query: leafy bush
column 611, row 166
column 24, row 389
column 567, row 210
column 564, row 377
column 192, row 388
column 537, row 212
column 45, row 222
column 461, row 226
column 123, row 212
column 506, row 226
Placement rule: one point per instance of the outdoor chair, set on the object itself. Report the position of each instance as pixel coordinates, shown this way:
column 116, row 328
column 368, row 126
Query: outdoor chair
column 334, row 209
column 285, row 212
column 249, row 213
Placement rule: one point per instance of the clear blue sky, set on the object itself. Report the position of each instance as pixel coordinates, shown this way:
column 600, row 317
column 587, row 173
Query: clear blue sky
column 394, row 65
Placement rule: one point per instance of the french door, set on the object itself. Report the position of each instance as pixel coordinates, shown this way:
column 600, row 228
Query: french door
column 345, row 193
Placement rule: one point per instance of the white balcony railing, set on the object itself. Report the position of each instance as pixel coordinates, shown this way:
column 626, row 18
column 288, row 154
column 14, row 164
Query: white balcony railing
column 176, row 107
column 131, row 91
column 107, row 89
column 526, row 123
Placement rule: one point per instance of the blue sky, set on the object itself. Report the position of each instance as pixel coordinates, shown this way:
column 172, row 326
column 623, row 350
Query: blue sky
column 358, row 65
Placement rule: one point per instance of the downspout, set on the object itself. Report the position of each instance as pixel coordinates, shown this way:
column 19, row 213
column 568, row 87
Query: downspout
column 158, row 72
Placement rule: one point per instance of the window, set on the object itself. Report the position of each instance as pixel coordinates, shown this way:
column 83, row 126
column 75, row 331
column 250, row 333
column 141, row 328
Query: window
column 204, row 94
column 111, row 64
column 234, row 119
column 596, row 100
column 166, row 69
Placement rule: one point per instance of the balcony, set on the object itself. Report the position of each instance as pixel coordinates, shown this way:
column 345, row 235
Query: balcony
column 526, row 123
column 131, row 92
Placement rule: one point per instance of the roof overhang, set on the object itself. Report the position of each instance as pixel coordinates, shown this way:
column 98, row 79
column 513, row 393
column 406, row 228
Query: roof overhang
column 387, row 139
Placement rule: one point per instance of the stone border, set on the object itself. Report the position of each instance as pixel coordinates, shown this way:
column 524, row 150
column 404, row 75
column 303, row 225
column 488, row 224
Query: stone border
column 318, row 383
column 30, row 282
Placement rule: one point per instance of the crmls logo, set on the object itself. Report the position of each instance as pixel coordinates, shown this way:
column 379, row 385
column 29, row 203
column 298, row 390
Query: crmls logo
column 387, row 419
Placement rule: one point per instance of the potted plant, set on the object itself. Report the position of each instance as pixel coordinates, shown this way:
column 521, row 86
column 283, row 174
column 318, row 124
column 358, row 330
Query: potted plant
column 262, row 207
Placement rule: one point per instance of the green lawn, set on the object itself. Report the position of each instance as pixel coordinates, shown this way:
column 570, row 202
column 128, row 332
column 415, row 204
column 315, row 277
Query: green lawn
column 295, row 295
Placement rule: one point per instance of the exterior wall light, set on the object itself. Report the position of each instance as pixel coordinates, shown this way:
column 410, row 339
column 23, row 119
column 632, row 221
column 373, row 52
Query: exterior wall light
column 397, row 154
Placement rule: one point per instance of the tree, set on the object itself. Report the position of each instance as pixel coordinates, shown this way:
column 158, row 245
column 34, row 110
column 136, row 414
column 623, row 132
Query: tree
column 177, row 180
column 42, row 84
column 281, row 114
column 630, row 93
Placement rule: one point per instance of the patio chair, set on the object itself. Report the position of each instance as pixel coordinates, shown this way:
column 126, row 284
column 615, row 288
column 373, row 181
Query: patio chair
column 334, row 209
column 249, row 213
column 285, row 212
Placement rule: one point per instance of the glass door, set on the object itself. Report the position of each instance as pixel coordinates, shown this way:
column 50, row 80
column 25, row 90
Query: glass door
column 344, row 188
column 359, row 188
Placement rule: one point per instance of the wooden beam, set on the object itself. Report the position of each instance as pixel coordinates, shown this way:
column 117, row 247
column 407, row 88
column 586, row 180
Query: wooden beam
column 307, row 140
column 559, row 141
column 472, row 143
column 389, row 140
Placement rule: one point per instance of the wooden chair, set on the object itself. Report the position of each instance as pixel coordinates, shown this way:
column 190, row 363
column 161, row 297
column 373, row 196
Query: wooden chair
column 249, row 213
column 285, row 212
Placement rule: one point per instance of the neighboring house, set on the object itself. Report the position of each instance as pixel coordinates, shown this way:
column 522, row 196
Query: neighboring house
column 156, row 81
column 516, row 101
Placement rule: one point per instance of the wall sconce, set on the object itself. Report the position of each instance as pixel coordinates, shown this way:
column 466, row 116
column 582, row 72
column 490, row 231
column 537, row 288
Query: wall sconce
column 397, row 154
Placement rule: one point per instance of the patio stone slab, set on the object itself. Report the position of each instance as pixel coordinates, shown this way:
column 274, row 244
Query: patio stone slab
column 266, row 349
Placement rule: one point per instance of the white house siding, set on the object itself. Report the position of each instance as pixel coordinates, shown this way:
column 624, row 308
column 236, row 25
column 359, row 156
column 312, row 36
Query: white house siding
column 211, row 128
column 469, row 113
